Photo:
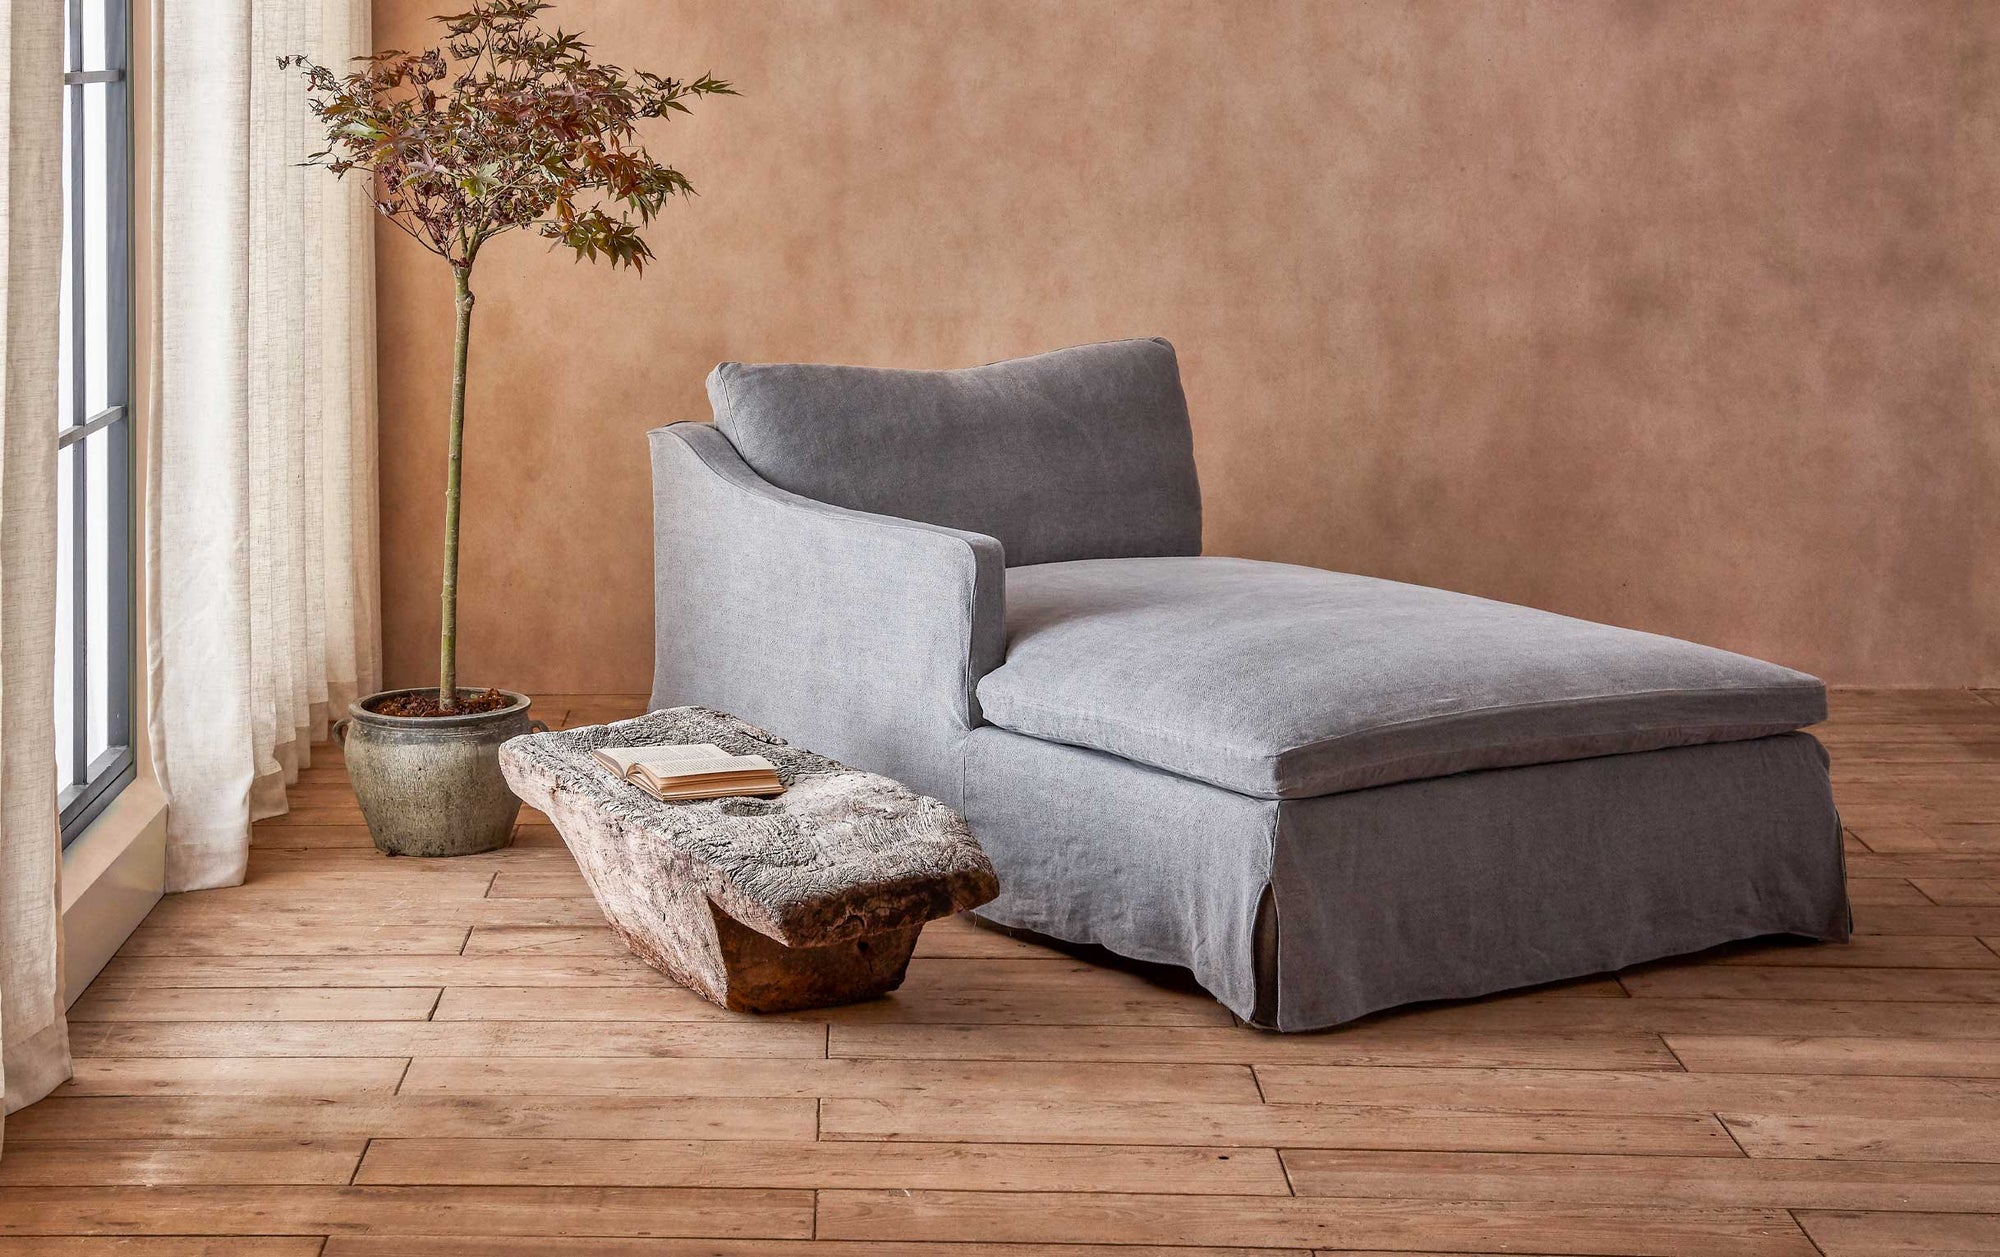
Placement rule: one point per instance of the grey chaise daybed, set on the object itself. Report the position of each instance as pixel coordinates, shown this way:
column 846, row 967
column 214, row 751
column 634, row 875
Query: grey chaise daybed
column 1323, row 794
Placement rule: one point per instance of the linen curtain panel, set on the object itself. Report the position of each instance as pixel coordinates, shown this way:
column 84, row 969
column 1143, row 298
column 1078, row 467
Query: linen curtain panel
column 34, row 1043
column 261, row 547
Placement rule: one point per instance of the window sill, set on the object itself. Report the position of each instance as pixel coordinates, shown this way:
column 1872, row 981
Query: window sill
column 112, row 875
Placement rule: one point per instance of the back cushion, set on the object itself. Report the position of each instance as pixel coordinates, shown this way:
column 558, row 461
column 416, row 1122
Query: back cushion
column 1078, row 454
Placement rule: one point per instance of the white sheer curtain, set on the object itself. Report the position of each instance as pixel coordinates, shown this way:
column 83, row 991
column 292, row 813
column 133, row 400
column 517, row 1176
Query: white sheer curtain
column 261, row 541
column 34, row 1044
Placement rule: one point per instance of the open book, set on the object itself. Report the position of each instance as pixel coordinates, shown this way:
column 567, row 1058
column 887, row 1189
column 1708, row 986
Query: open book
column 700, row 771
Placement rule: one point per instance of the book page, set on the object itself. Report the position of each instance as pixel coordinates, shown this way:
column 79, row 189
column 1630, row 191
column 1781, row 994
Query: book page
column 704, row 769
column 618, row 760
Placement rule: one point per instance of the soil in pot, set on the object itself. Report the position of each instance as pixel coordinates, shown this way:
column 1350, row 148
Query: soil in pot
column 424, row 703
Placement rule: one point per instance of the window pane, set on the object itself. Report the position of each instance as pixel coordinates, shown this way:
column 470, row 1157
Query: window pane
column 66, row 768
column 66, row 411
column 94, row 631
column 94, row 51
column 96, row 255
column 97, row 559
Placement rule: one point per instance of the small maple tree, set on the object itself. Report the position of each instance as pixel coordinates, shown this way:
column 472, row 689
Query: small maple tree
column 507, row 127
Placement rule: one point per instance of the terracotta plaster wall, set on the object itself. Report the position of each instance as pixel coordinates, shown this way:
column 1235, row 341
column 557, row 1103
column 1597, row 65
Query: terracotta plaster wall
column 1682, row 316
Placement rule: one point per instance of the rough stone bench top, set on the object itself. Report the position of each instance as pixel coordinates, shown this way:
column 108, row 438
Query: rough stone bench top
column 840, row 855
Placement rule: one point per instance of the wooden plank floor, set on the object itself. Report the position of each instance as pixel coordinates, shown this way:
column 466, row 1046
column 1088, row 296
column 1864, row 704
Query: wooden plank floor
column 362, row 1057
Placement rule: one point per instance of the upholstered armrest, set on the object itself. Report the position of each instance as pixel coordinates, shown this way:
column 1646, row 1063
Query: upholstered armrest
column 861, row 636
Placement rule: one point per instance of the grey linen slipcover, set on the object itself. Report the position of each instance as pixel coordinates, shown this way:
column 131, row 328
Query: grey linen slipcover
column 1323, row 794
column 1288, row 682
column 1303, row 913
column 858, row 635
column 1081, row 453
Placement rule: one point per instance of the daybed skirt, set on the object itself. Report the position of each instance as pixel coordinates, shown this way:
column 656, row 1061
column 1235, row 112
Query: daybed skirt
column 1436, row 889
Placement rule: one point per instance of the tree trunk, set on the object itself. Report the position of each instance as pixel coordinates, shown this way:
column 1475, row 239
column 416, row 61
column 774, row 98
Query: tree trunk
column 448, row 621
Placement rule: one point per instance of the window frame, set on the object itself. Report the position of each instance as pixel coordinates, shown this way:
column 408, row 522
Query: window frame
column 97, row 781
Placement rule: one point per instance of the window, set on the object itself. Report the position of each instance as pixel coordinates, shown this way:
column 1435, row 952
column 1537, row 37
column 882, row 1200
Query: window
column 94, row 462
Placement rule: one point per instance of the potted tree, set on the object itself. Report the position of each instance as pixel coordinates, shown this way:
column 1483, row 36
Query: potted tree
column 507, row 127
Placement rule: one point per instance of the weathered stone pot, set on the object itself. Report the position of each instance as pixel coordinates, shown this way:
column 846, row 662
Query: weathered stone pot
column 431, row 785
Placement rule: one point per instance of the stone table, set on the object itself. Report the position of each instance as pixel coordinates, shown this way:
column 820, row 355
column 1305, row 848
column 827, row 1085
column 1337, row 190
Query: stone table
column 809, row 899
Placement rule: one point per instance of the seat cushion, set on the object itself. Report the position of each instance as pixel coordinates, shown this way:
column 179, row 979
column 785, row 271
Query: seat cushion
column 1290, row 682
column 1083, row 453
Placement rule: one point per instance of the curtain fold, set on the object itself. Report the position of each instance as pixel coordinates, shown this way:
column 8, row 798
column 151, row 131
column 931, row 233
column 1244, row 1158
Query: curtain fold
column 34, row 1043
column 261, row 542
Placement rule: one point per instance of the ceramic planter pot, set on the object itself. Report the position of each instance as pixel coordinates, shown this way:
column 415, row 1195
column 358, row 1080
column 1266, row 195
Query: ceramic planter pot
column 432, row 785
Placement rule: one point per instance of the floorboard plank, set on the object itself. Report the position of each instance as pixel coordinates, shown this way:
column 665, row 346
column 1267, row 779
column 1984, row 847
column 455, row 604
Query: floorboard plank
column 1854, row 1234
column 329, row 1076
column 265, row 864
column 1647, row 1091
column 305, row 879
column 1953, row 891
column 1055, row 1081
column 158, row 972
column 182, row 1162
column 313, row 816
column 543, row 940
column 1978, row 986
column 926, row 1119
column 539, row 884
column 971, row 1166
column 1928, row 864
column 310, row 837
column 1940, row 919
column 960, row 938
column 1317, row 1223
column 1776, row 1054
column 1864, row 951
column 743, row 1038
column 1033, row 993
column 940, row 940
column 948, row 938
column 541, row 1211
column 649, row 1002
column 408, row 1117
column 1362, row 1045
column 114, row 1003
column 596, row 709
column 260, row 939
column 1875, row 890
column 529, row 836
column 1975, row 839
column 1846, row 1137
column 1662, row 1015
column 303, row 909
column 1696, row 1182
